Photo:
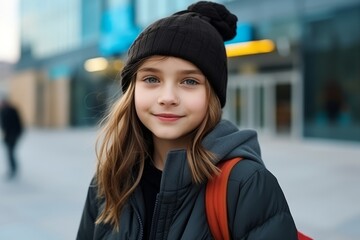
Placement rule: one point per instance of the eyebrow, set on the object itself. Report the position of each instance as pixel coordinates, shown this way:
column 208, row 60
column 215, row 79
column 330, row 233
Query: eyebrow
column 148, row 69
column 189, row 71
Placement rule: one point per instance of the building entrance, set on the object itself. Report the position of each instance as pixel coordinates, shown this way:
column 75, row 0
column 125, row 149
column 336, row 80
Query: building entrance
column 267, row 102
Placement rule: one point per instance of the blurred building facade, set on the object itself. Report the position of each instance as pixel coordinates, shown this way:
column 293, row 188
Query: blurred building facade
column 308, row 86
column 72, row 51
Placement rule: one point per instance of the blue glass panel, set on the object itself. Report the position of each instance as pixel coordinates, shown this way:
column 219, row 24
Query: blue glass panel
column 117, row 30
column 59, row 71
column 244, row 33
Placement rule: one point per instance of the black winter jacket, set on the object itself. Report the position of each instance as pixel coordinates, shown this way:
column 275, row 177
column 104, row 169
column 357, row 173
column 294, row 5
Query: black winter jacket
column 10, row 123
column 257, row 208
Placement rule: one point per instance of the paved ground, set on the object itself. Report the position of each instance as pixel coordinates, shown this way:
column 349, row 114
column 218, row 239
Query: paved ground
column 319, row 178
column 321, row 182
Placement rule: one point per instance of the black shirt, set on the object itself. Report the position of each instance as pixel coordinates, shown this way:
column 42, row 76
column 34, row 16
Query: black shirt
column 150, row 186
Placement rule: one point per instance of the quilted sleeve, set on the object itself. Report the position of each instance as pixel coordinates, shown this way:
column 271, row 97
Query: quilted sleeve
column 89, row 215
column 257, row 208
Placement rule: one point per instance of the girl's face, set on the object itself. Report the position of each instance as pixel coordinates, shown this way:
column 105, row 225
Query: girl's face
column 170, row 97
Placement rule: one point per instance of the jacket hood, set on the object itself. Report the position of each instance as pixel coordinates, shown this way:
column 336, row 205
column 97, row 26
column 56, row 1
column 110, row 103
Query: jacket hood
column 227, row 141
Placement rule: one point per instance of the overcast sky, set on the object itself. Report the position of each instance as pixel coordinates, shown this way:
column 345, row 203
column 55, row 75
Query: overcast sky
column 9, row 30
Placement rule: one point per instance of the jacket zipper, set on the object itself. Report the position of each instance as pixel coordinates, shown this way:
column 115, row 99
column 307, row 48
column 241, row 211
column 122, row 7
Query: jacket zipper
column 154, row 219
column 140, row 223
column 141, row 226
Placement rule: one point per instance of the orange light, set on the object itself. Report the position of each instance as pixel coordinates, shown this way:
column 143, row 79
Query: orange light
column 96, row 64
column 249, row 48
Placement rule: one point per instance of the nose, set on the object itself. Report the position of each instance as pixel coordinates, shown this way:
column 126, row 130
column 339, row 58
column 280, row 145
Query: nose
column 168, row 96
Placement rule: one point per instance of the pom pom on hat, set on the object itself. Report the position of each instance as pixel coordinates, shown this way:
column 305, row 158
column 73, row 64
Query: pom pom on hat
column 196, row 35
column 218, row 16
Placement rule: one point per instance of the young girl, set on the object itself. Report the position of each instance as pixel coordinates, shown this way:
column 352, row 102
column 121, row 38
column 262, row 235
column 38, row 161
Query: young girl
column 163, row 138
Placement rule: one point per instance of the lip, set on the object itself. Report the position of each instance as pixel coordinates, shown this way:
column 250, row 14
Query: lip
column 168, row 117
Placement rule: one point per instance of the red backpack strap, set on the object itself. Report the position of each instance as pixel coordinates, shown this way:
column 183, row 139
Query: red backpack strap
column 302, row 236
column 215, row 197
column 216, row 205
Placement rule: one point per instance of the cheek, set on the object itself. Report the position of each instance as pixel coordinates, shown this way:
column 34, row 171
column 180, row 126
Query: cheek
column 199, row 104
column 139, row 99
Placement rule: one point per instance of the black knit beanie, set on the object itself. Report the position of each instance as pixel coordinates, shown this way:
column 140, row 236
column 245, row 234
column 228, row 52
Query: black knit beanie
column 196, row 35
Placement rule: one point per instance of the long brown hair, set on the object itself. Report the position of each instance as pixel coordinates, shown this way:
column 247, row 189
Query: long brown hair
column 124, row 144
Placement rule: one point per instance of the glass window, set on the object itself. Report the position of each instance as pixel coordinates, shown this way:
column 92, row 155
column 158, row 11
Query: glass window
column 148, row 11
column 332, row 76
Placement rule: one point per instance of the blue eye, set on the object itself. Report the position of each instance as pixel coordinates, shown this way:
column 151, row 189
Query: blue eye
column 190, row 81
column 151, row 80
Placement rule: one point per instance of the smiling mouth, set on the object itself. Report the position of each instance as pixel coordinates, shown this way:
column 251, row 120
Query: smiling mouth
column 168, row 117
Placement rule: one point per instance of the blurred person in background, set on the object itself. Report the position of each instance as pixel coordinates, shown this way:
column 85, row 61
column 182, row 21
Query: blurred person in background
column 11, row 127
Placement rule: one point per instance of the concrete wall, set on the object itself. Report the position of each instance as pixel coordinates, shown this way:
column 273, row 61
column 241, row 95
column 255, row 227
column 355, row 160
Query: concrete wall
column 23, row 94
column 57, row 102
column 41, row 102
